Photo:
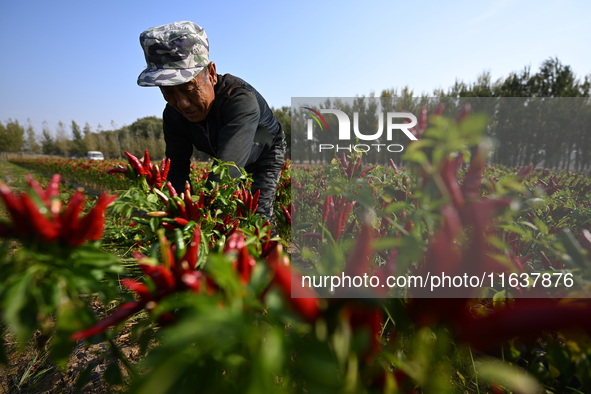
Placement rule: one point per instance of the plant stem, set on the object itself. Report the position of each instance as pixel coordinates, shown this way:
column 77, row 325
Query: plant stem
column 474, row 368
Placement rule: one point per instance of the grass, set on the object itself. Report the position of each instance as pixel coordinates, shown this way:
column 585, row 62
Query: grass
column 12, row 174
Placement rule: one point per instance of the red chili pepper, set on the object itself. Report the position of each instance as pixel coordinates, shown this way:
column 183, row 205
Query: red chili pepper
column 358, row 263
column 166, row 253
column 473, row 179
column 192, row 279
column 40, row 224
column 292, row 208
column 123, row 312
column 70, row 217
column 149, row 178
column 524, row 172
column 439, row 110
column 16, row 210
column 181, row 221
column 244, row 264
column 53, row 187
column 408, row 226
column 33, row 184
column 187, row 190
column 370, row 318
column 170, row 277
column 140, row 288
column 254, row 201
column 356, row 166
column 189, row 206
column 448, row 173
column 201, row 203
column 165, row 168
column 302, row 299
column 169, row 226
column 147, row 164
column 117, row 170
column 312, row 235
column 327, row 208
column 235, row 242
column 523, row 318
column 394, row 166
column 97, row 225
column 287, row 214
column 171, row 189
column 364, row 172
column 233, row 226
column 343, row 163
column 161, row 276
column 180, row 205
column 192, row 252
column 339, row 220
column 269, row 250
column 136, row 164
column 92, row 225
column 156, row 176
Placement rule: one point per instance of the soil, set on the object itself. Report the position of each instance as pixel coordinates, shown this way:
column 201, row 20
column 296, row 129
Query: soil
column 32, row 371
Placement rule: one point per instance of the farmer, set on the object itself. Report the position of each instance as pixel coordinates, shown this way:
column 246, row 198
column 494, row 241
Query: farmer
column 220, row 115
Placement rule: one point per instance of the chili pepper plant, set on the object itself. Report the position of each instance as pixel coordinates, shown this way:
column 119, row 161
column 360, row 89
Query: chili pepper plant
column 52, row 264
column 216, row 304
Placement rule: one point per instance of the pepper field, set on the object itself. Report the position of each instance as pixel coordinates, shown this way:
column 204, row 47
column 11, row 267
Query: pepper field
column 190, row 293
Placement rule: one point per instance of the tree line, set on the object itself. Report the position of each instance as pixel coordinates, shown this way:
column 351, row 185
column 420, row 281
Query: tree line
column 554, row 133
column 529, row 141
column 75, row 141
column 541, row 118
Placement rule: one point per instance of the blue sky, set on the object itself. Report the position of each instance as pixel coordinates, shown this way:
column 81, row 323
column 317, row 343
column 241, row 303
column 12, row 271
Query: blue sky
column 79, row 60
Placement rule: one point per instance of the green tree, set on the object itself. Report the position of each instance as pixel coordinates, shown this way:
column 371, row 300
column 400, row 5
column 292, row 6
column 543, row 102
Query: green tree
column 144, row 133
column 535, row 138
column 62, row 142
column 78, row 146
column 31, row 144
column 48, row 146
column 283, row 115
column 12, row 136
column 89, row 141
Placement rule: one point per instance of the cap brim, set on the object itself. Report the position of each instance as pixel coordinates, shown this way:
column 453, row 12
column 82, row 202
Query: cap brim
column 167, row 76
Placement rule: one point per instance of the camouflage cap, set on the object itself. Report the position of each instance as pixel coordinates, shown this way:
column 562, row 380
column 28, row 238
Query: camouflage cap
column 175, row 53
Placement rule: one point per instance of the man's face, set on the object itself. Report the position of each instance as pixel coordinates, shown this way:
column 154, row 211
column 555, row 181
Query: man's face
column 194, row 98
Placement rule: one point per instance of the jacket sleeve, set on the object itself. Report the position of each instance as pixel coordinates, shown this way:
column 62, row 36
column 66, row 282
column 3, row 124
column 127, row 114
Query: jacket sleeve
column 240, row 119
column 179, row 148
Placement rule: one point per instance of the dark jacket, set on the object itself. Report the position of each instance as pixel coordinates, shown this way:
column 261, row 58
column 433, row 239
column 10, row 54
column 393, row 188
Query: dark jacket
column 240, row 127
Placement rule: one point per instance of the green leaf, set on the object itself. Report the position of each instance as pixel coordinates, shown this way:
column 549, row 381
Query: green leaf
column 573, row 249
column 71, row 315
column 223, row 274
column 416, row 156
column 515, row 379
column 540, row 225
column 20, row 308
column 152, row 198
